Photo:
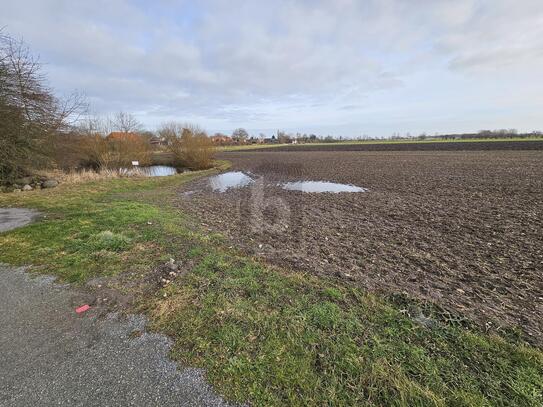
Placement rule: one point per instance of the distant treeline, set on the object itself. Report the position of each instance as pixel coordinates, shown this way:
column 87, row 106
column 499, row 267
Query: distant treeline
column 490, row 134
column 283, row 137
column 482, row 134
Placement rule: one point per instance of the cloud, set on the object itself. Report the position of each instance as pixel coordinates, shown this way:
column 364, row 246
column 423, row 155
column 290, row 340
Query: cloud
column 330, row 64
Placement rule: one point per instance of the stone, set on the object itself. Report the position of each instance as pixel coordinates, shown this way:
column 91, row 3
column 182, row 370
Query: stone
column 27, row 188
column 16, row 190
column 50, row 183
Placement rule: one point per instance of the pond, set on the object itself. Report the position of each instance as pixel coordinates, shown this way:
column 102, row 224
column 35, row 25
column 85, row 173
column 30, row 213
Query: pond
column 232, row 179
column 321, row 186
column 151, row 171
column 159, row 170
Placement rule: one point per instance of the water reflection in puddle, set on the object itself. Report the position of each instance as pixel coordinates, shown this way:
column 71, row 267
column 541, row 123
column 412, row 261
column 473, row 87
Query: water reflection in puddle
column 232, row 179
column 321, row 186
column 151, row 171
column 239, row 179
column 159, row 170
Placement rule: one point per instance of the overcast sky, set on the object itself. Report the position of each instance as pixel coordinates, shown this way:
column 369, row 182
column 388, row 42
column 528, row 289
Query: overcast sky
column 340, row 67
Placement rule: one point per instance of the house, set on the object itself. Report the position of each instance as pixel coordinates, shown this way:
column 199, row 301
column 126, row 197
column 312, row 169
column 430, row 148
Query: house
column 157, row 141
column 221, row 139
column 270, row 140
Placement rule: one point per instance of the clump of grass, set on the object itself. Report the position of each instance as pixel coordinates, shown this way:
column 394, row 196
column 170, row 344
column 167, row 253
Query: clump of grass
column 333, row 293
column 107, row 240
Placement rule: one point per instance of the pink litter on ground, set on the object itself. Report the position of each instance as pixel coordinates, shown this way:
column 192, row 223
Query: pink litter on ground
column 82, row 308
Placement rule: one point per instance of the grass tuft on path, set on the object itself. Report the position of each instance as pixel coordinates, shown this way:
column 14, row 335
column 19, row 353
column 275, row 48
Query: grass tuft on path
column 265, row 335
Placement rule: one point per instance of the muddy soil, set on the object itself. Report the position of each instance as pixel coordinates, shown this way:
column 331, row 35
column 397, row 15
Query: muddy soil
column 463, row 230
column 437, row 146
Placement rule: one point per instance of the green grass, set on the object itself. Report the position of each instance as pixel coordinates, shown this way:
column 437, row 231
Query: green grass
column 93, row 229
column 284, row 338
column 249, row 147
column 270, row 336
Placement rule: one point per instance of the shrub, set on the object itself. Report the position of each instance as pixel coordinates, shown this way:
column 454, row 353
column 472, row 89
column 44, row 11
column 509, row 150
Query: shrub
column 121, row 150
column 190, row 145
column 103, row 149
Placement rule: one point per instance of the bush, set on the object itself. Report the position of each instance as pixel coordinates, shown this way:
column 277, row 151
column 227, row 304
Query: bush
column 118, row 152
column 68, row 151
column 190, row 145
column 104, row 149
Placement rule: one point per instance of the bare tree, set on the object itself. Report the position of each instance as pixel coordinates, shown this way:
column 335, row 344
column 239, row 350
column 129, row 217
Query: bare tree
column 30, row 115
column 125, row 122
column 240, row 135
column 283, row 137
column 171, row 130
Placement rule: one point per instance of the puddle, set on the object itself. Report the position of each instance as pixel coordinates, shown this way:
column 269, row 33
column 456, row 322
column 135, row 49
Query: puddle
column 232, row 179
column 239, row 179
column 321, row 186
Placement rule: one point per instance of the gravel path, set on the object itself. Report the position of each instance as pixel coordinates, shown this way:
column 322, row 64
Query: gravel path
column 11, row 218
column 50, row 355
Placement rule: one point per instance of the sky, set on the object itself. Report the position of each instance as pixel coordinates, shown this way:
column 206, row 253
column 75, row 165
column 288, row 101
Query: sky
column 332, row 67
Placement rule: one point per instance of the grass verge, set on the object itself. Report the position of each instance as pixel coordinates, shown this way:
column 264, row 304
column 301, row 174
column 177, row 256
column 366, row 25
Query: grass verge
column 273, row 337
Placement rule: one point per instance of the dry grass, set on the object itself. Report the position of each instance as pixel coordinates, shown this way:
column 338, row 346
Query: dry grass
column 78, row 177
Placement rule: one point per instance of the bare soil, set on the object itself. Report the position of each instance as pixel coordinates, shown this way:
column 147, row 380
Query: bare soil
column 416, row 146
column 461, row 229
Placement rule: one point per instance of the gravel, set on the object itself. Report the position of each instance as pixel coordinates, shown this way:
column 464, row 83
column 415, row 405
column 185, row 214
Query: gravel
column 11, row 218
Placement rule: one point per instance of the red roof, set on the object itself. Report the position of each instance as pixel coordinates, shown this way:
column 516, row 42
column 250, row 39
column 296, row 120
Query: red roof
column 221, row 139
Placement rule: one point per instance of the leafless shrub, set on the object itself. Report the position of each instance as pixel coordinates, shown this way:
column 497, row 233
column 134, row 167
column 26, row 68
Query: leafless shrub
column 103, row 149
column 125, row 122
column 190, row 145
